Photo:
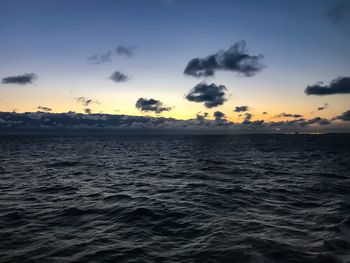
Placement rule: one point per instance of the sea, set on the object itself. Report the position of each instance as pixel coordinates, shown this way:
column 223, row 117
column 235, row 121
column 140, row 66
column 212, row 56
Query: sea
column 175, row 198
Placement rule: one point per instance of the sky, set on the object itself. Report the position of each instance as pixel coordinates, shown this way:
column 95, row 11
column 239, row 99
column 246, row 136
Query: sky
column 178, row 58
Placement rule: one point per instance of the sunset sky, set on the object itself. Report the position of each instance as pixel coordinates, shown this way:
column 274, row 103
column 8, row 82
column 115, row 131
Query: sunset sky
column 74, row 47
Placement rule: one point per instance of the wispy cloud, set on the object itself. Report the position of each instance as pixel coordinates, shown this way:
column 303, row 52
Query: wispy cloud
column 288, row 115
column 118, row 76
column 339, row 12
column 325, row 106
column 86, row 102
column 125, row 51
column 43, row 108
column 100, row 58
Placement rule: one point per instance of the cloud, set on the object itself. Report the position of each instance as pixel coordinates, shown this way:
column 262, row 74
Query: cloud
column 151, row 105
column 234, row 59
column 248, row 116
column 86, row 102
column 318, row 120
column 126, row 51
column 288, row 115
column 247, row 120
column 339, row 12
column 73, row 120
column 20, row 79
column 325, row 106
column 345, row 116
column 42, row 108
column 118, row 76
column 212, row 95
column 87, row 111
column 218, row 115
column 100, row 58
column 241, row 109
column 253, row 123
column 201, row 116
column 340, row 85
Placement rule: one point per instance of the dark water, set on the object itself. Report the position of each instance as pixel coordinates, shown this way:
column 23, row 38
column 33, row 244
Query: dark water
column 253, row 198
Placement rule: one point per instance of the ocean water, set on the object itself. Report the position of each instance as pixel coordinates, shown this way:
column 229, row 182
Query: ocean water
column 240, row 198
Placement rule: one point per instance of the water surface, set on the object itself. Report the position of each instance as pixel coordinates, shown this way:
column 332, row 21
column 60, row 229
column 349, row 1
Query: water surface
column 241, row 198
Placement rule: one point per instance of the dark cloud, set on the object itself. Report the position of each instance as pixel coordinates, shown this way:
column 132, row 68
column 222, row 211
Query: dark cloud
column 218, row 115
column 87, row 102
column 345, row 116
column 87, row 111
column 339, row 12
column 301, row 122
column 100, row 58
column 151, row 105
column 201, row 116
column 212, row 95
column 234, row 59
column 288, row 115
column 43, row 108
column 253, row 123
column 325, row 106
column 126, row 51
column 247, row 120
column 89, row 120
column 340, row 85
column 248, row 116
column 241, row 108
column 20, row 79
column 117, row 76
column 317, row 120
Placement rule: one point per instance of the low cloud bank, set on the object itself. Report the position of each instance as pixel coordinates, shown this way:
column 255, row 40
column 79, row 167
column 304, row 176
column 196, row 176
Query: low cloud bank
column 73, row 120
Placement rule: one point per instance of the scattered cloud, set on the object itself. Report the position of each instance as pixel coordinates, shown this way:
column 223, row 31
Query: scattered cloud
column 151, row 105
column 345, row 116
column 339, row 12
column 211, row 94
column 218, row 115
column 86, row 102
column 248, row 116
column 241, row 109
column 118, row 76
column 87, row 111
column 234, row 59
column 24, row 79
column 325, row 106
column 288, row 115
column 43, row 108
column 340, row 85
column 202, row 116
column 100, row 58
column 125, row 51
column 317, row 120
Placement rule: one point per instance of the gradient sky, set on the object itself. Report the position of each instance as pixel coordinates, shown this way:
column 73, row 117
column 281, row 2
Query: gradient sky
column 53, row 39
